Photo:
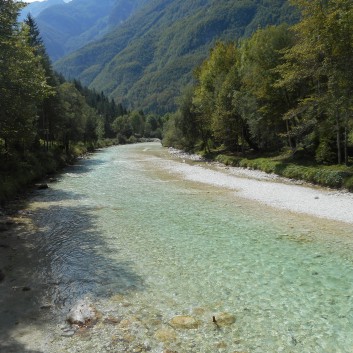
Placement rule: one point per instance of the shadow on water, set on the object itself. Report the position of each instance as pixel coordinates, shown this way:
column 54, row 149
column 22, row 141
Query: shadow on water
column 85, row 165
column 52, row 259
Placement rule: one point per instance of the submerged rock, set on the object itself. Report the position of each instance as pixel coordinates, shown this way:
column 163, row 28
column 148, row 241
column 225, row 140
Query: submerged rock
column 184, row 322
column 68, row 333
column 82, row 314
column 224, row 319
column 165, row 335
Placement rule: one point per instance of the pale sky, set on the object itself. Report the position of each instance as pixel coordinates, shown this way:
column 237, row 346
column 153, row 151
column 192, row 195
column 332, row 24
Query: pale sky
column 40, row 0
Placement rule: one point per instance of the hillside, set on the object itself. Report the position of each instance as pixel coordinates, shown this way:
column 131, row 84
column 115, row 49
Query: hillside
column 69, row 26
column 36, row 7
column 147, row 60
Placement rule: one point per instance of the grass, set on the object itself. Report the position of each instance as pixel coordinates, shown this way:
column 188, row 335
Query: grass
column 335, row 176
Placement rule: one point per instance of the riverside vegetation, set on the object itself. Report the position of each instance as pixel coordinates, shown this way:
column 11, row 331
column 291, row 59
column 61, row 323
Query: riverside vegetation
column 46, row 121
column 285, row 93
column 282, row 94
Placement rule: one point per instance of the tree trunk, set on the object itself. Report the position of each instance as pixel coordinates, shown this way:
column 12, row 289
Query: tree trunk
column 338, row 139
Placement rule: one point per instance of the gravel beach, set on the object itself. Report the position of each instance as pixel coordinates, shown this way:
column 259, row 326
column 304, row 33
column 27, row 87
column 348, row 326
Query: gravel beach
column 268, row 189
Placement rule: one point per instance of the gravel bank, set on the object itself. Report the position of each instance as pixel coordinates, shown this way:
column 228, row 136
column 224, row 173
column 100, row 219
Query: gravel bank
column 268, row 189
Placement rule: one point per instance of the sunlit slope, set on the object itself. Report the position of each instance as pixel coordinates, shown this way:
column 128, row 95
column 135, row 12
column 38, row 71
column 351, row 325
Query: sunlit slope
column 146, row 61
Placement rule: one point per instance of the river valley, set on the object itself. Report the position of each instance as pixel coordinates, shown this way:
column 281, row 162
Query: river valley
column 126, row 231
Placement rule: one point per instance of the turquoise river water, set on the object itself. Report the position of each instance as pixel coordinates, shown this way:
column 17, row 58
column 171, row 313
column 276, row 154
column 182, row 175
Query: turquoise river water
column 144, row 246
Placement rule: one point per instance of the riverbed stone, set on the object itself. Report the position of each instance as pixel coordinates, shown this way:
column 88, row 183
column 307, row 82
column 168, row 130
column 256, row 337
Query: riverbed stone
column 225, row 319
column 165, row 335
column 112, row 320
column 184, row 322
column 83, row 313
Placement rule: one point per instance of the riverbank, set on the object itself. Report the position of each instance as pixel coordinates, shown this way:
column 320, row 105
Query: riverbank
column 333, row 176
column 19, row 172
column 268, row 189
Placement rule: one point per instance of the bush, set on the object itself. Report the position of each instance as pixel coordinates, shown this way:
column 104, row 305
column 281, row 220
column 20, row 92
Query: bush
column 324, row 153
column 348, row 183
column 333, row 176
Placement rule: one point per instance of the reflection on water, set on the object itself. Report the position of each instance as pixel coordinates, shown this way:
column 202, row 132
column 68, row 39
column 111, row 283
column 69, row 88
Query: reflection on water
column 146, row 247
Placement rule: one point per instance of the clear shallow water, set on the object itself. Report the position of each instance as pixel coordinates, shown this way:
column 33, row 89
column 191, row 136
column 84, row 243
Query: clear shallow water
column 145, row 246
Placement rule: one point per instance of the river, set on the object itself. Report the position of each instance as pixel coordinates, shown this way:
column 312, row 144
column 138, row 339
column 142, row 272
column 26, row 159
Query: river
column 144, row 245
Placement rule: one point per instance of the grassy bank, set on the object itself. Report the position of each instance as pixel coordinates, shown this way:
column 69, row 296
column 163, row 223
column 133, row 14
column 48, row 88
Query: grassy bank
column 337, row 176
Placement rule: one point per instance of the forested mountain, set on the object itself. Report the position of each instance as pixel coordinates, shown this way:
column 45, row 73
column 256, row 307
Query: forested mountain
column 68, row 26
column 147, row 60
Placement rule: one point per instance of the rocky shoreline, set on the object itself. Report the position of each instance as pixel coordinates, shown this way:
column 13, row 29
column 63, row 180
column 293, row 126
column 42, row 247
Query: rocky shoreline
column 269, row 189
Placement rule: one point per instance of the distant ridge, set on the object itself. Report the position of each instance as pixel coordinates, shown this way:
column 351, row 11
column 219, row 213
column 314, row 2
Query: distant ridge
column 66, row 27
column 147, row 60
column 35, row 8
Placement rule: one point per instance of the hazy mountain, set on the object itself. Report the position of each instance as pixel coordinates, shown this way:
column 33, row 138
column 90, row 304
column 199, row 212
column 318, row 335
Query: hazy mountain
column 69, row 26
column 145, row 61
column 35, row 8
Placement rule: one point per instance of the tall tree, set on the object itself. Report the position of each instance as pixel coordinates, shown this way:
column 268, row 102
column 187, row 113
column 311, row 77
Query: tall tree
column 320, row 66
column 23, row 83
column 48, row 110
column 210, row 77
column 261, row 54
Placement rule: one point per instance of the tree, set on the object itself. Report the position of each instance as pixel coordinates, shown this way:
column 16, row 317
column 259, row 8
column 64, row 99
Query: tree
column 210, row 77
column 261, row 54
column 23, row 83
column 75, row 116
column 47, row 111
column 320, row 66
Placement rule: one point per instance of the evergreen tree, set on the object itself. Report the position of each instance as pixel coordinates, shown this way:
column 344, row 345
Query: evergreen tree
column 23, row 83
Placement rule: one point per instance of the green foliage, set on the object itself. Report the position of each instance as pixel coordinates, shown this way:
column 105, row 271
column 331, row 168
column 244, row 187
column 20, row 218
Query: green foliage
column 134, row 125
column 315, row 174
column 284, row 88
column 324, row 153
column 23, row 83
column 172, row 134
column 45, row 122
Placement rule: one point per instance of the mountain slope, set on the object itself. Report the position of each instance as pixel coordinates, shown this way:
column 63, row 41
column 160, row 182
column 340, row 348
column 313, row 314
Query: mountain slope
column 69, row 26
column 35, row 8
column 147, row 60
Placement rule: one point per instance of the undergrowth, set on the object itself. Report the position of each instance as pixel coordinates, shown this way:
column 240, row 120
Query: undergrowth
column 330, row 176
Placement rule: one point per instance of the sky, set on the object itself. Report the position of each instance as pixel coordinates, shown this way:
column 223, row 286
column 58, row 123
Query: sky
column 40, row 0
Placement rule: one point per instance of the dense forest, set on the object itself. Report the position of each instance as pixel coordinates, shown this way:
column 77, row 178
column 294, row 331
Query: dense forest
column 286, row 88
column 46, row 121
